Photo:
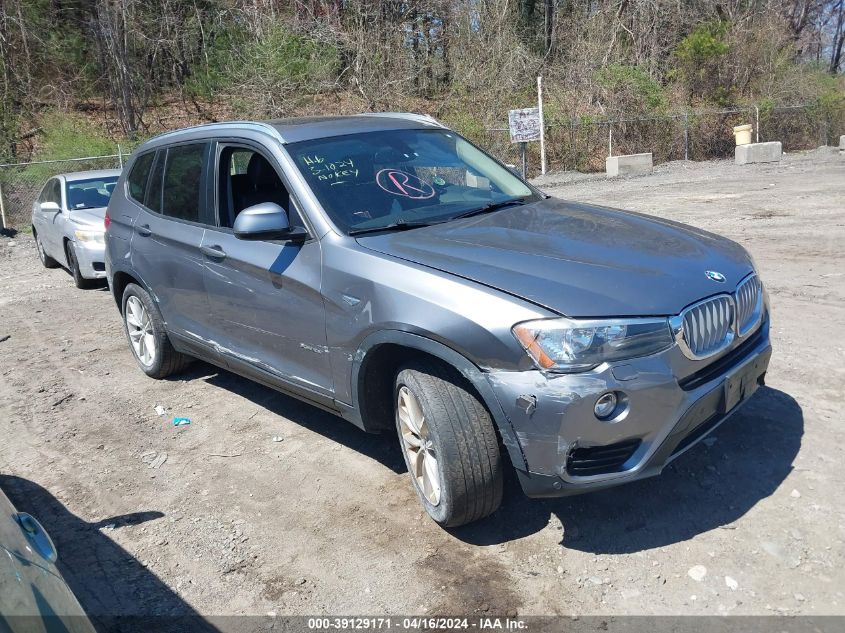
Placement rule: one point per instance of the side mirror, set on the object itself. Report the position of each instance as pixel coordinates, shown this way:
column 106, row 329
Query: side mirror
column 50, row 207
column 266, row 221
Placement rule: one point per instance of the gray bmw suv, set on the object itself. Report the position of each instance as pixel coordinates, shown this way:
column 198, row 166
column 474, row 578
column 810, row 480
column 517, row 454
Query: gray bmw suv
column 384, row 268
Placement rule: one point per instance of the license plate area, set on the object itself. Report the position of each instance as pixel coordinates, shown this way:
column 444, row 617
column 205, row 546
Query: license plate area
column 741, row 384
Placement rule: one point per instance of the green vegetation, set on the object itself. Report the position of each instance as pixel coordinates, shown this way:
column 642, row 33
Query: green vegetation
column 278, row 60
column 68, row 135
column 704, row 44
column 633, row 89
column 88, row 74
column 699, row 64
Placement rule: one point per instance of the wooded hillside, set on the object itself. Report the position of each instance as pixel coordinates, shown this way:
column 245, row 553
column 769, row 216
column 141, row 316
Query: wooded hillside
column 135, row 67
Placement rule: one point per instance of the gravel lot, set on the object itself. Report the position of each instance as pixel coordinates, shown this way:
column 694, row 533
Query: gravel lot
column 325, row 522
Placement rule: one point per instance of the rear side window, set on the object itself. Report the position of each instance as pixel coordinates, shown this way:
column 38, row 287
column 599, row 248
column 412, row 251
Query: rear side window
column 183, row 181
column 139, row 175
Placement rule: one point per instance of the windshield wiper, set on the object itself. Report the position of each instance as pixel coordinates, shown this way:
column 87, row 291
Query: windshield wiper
column 487, row 208
column 395, row 226
column 401, row 225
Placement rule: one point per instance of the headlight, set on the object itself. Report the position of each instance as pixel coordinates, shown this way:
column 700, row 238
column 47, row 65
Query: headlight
column 570, row 345
column 88, row 236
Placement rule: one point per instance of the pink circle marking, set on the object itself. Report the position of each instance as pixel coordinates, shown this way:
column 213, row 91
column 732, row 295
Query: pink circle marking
column 400, row 183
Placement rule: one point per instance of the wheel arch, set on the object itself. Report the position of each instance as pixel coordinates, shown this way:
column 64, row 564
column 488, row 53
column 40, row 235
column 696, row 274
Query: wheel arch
column 66, row 242
column 118, row 282
column 375, row 366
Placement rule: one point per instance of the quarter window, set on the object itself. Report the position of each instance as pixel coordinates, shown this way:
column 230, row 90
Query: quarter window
column 52, row 192
column 182, row 182
column 139, row 175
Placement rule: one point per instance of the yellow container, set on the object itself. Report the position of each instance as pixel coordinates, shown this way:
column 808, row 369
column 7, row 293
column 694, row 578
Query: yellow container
column 742, row 134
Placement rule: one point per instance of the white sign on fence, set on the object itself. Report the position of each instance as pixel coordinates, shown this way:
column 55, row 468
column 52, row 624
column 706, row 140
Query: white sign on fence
column 524, row 125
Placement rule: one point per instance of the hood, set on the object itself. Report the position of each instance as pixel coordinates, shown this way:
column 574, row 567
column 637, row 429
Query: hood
column 89, row 218
column 576, row 259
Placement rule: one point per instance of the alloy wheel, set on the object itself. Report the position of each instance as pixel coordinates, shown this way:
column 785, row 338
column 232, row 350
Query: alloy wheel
column 418, row 445
column 140, row 330
column 41, row 253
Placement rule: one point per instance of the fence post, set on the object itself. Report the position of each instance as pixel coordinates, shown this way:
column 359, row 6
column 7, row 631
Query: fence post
column 823, row 130
column 686, row 135
column 757, row 123
column 542, row 125
column 523, row 147
column 609, row 139
column 2, row 209
column 120, row 156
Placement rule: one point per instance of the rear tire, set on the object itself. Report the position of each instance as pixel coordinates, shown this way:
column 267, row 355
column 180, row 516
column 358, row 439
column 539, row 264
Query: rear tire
column 73, row 267
column 46, row 260
column 454, row 440
column 147, row 335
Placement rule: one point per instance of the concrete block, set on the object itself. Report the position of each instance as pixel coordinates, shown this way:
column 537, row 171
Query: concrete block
column 758, row 153
column 628, row 165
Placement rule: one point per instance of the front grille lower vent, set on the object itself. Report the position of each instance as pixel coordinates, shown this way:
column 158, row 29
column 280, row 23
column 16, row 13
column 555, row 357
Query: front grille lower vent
column 586, row 461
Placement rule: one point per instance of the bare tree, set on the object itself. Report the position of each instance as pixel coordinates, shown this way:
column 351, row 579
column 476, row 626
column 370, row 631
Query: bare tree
column 110, row 28
column 838, row 37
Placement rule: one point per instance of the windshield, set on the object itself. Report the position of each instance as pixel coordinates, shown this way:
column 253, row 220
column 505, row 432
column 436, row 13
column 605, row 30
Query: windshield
column 91, row 193
column 403, row 178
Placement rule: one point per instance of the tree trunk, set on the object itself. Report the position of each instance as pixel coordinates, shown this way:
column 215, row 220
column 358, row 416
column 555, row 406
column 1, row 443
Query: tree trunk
column 838, row 40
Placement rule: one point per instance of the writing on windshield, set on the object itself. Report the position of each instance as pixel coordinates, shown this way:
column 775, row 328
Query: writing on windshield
column 402, row 177
column 335, row 172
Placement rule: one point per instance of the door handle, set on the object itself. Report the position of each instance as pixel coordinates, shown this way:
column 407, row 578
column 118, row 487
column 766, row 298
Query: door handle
column 36, row 535
column 215, row 252
column 143, row 230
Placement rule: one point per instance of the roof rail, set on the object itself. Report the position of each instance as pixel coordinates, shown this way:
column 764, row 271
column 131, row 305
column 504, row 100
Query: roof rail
column 411, row 116
column 254, row 125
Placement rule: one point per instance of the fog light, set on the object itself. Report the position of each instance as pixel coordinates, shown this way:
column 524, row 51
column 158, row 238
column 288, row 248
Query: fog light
column 605, row 406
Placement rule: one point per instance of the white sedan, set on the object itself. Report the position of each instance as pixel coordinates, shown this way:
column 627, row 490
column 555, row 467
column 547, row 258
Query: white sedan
column 67, row 223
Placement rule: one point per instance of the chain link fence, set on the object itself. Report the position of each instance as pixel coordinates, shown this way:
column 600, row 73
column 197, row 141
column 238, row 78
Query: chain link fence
column 20, row 183
column 576, row 144
column 583, row 144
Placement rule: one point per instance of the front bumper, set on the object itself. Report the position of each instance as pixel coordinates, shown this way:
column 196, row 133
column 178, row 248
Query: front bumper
column 91, row 257
column 670, row 403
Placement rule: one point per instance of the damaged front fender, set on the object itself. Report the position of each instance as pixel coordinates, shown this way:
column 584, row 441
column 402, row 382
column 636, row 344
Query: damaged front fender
column 476, row 377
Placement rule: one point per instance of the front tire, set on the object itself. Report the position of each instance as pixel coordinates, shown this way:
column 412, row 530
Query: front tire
column 147, row 335
column 46, row 260
column 449, row 444
column 73, row 267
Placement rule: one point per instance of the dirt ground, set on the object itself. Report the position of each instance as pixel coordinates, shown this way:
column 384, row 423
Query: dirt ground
column 264, row 504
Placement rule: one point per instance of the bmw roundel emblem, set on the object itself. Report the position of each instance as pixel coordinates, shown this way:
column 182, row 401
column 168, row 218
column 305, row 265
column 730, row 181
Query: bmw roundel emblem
column 712, row 275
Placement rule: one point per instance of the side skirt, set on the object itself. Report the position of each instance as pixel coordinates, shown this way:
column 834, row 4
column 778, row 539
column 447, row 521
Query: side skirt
column 202, row 351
